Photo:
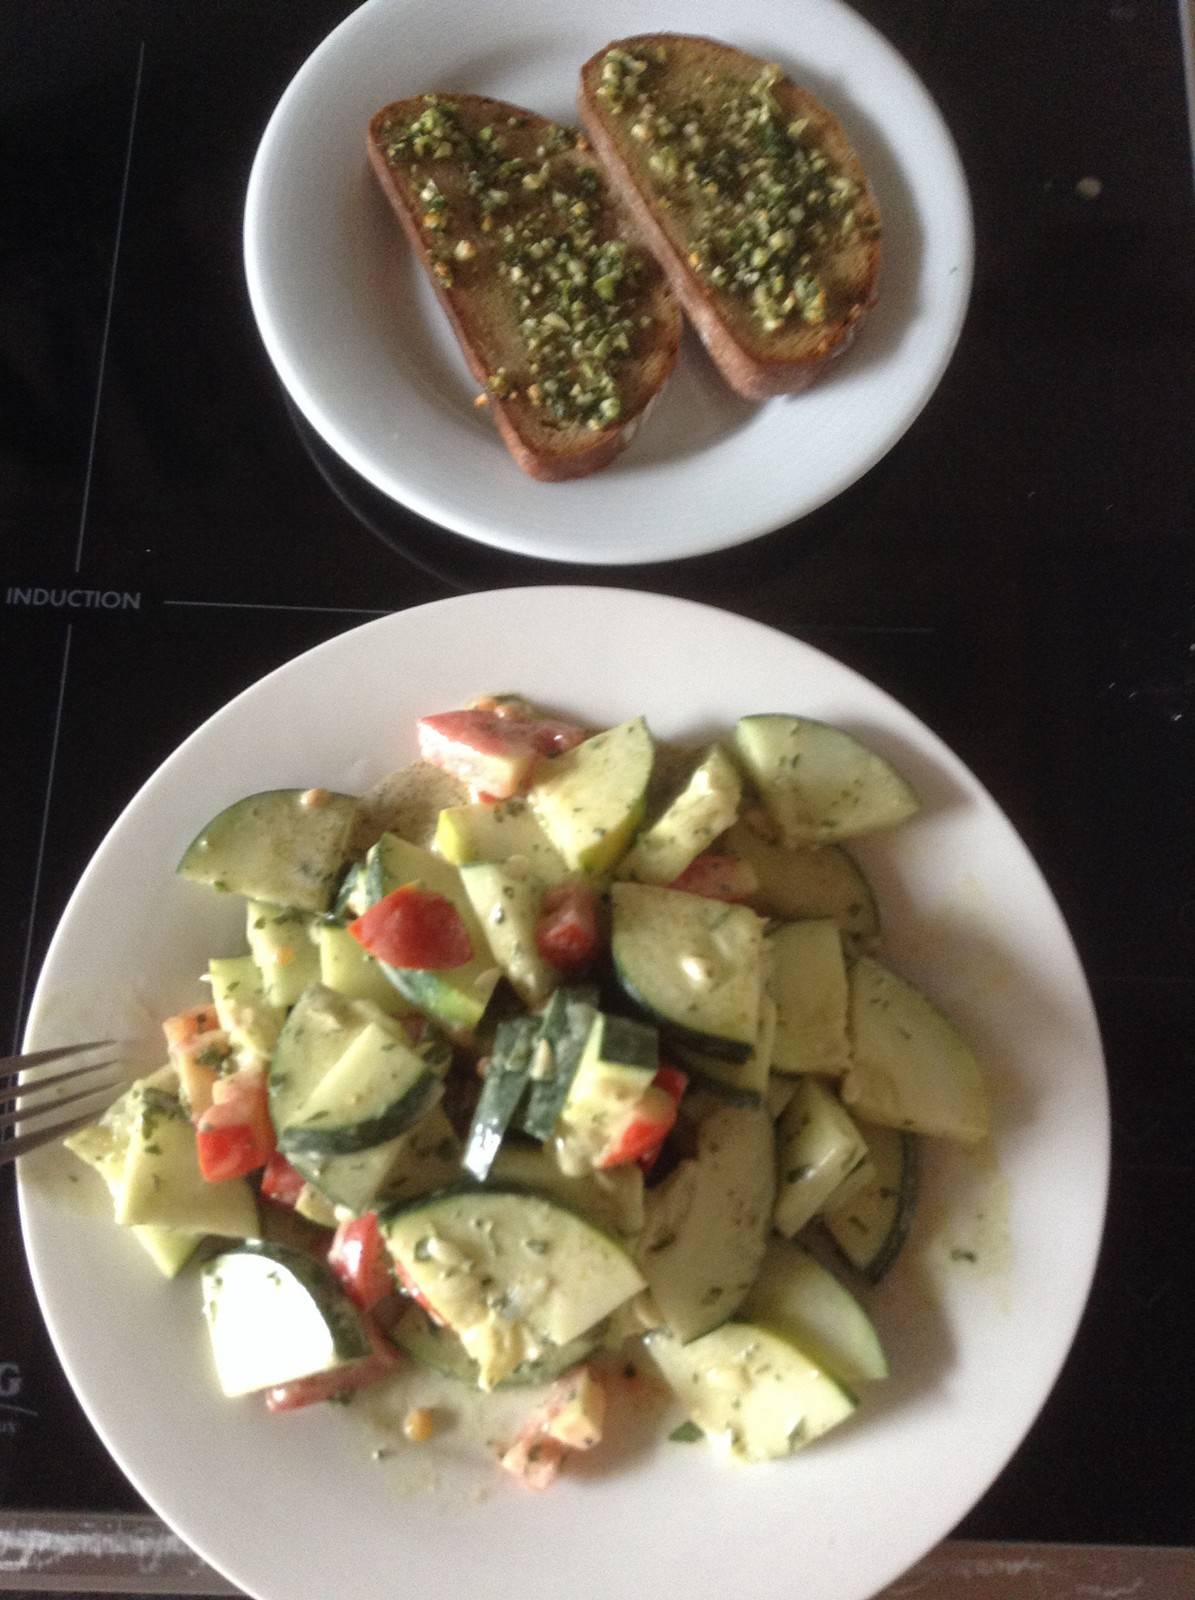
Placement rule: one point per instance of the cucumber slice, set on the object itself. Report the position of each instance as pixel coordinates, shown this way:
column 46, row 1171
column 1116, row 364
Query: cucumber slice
column 505, row 1084
column 506, row 897
column 567, row 1020
column 440, row 1349
column 818, row 1147
column 692, row 964
column 377, row 1088
column 275, row 847
column 242, row 1010
column 408, row 803
column 705, row 807
column 813, row 881
column 798, row 1297
column 351, row 897
column 160, row 1182
column 752, row 1388
column 103, row 1146
column 819, row 783
column 870, row 1229
column 612, row 1200
column 352, row 972
column 590, row 801
column 741, row 1082
column 457, row 998
column 807, row 977
column 503, row 831
column 619, row 1061
column 511, row 1273
column 281, row 942
column 319, row 1029
column 425, row 1158
column 275, row 1314
column 911, row 1067
column 706, row 1225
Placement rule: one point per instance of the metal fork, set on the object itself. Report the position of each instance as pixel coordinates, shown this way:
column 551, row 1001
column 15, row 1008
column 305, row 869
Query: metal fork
column 41, row 1097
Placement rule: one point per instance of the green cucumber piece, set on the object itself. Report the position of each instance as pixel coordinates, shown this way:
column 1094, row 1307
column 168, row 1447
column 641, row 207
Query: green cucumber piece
column 425, row 1158
column 818, row 782
column 353, row 972
column 506, row 1081
column 706, row 1225
column 242, row 1010
column 275, row 846
column 910, row 1068
column 810, row 881
column 160, row 1182
column 506, row 898
column 797, row 1296
column 501, row 831
column 351, row 897
column 742, row 1082
column 806, row 974
column 439, row 1348
column 692, row 965
column 590, row 801
column 704, row 808
column 511, row 1273
column 321, row 1026
column 567, row 1020
column 281, row 943
column 377, row 1088
column 752, row 1388
column 275, row 1314
column 458, row 997
column 870, row 1229
column 818, row 1147
column 619, row 1061
column 613, row 1200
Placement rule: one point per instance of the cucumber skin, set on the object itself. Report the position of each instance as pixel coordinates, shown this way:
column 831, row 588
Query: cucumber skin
column 350, row 1139
column 882, row 1262
column 711, row 1044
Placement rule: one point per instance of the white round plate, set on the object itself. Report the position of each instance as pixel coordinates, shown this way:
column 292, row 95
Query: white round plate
column 367, row 356
column 293, row 1508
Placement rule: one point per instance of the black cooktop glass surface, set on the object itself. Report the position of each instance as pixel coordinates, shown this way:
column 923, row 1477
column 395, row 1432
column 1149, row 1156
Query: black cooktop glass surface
column 1018, row 570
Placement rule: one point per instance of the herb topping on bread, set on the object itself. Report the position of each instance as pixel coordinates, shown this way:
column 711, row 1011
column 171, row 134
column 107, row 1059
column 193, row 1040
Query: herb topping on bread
column 749, row 194
column 565, row 319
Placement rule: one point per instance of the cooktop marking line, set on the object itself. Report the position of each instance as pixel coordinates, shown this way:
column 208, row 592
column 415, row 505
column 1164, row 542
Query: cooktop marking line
column 262, row 605
column 99, row 382
column 19, row 1024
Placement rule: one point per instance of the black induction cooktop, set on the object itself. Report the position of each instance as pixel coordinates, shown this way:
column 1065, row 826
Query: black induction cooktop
column 1019, row 571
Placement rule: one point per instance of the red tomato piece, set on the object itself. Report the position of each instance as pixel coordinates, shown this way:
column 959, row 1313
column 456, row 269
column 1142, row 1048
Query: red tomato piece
column 718, row 877
column 359, row 1258
column 235, row 1136
column 566, row 932
column 414, row 927
column 340, row 1381
column 484, row 750
column 281, row 1182
column 199, row 1019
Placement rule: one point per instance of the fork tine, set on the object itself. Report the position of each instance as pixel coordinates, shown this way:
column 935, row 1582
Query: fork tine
column 59, row 1053
column 55, row 1080
column 10, row 1149
column 25, row 1112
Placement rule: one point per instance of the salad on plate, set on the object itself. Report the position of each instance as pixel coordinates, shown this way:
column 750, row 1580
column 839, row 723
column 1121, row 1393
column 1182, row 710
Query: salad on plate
column 558, row 1050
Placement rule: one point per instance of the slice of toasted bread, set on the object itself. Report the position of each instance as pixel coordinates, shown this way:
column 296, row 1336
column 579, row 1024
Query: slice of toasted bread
column 749, row 194
column 564, row 317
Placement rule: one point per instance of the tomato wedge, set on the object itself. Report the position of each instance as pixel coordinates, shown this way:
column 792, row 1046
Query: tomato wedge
column 414, row 927
column 566, row 932
column 281, row 1182
column 718, row 877
column 493, row 748
column 359, row 1258
column 235, row 1136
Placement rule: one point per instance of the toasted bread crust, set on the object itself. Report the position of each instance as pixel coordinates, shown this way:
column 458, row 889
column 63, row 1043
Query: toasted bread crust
column 482, row 308
column 754, row 362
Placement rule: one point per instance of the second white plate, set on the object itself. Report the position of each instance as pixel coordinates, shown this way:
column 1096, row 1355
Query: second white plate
column 362, row 348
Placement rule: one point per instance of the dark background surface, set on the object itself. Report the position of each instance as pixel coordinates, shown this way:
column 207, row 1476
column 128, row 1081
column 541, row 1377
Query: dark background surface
column 1018, row 571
